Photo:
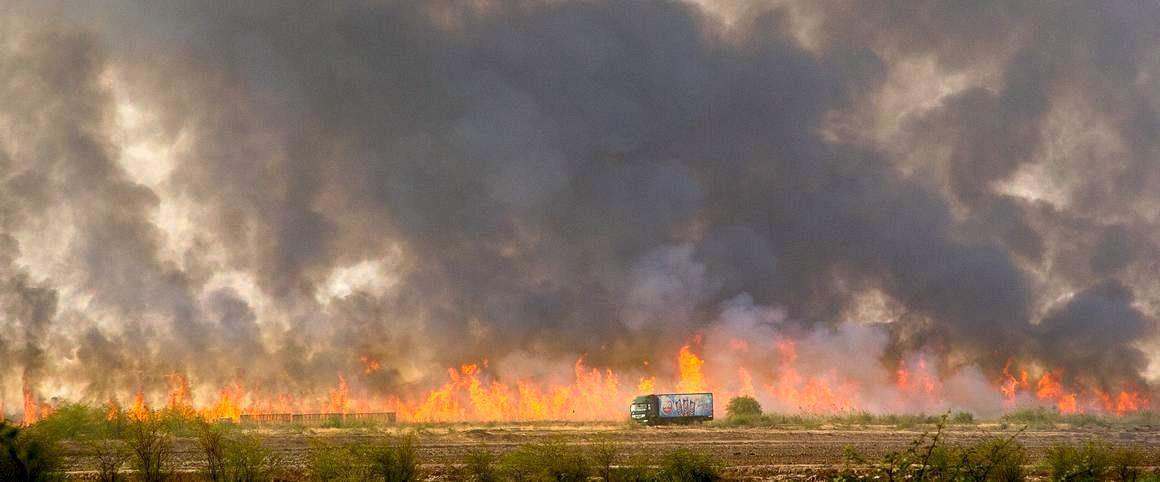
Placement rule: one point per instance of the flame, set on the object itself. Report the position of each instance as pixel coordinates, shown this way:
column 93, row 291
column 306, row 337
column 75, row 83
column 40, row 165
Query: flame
column 370, row 365
column 1049, row 388
column 746, row 381
column 139, row 410
column 918, row 379
column 31, row 409
column 113, row 411
column 1011, row 384
column 1068, row 399
column 178, row 391
column 1122, row 402
column 646, row 386
column 689, row 368
column 822, row 394
column 475, row 392
column 34, row 410
column 337, row 398
column 229, row 403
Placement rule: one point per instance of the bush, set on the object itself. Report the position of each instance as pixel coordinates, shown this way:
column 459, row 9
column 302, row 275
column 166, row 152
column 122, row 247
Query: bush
column 333, row 462
column 1095, row 461
column 394, row 461
column 772, row 420
column 962, row 418
column 245, row 459
column 110, row 455
column 639, row 470
column 1035, row 417
column 551, row 460
column 180, row 421
column 212, row 441
column 604, row 454
column 743, row 406
column 24, row 457
column 149, row 442
column 929, row 458
column 71, row 421
column 480, row 466
column 683, row 465
column 998, row 459
column 1127, row 464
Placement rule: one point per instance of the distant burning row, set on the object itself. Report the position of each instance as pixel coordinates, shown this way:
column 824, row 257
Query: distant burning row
column 473, row 393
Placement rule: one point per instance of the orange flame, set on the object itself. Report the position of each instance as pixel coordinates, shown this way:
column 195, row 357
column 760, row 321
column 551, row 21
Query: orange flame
column 746, row 381
column 34, row 410
column 139, row 411
column 370, row 365
column 647, row 385
column 473, row 392
column 1011, row 384
column 689, row 370
column 337, row 398
column 813, row 395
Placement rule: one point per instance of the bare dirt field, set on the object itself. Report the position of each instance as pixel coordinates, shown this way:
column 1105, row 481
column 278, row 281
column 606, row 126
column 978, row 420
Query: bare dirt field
column 751, row 453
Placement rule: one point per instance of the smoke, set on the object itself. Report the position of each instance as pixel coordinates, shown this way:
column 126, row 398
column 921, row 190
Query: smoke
column 280, row 192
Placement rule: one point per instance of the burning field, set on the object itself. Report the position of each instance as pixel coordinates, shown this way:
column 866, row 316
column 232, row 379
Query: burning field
column 534, row 211
column 473, row 393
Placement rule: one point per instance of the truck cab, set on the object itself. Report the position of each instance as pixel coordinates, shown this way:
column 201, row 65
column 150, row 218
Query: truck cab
column 643, row 408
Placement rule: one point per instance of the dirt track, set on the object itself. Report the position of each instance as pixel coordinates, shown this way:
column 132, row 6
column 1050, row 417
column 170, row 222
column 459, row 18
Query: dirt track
column 754, row 453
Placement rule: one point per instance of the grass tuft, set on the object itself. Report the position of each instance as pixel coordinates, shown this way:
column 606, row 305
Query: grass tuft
column 683, row 465
column 480, row 466
column 551, row 460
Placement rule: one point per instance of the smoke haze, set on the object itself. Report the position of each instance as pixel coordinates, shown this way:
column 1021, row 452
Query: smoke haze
column 277, row 192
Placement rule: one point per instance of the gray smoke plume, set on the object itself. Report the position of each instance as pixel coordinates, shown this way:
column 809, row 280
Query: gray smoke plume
column 277, row 191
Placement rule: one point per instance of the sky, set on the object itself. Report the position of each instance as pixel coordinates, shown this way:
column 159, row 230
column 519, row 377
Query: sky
column 273, row 190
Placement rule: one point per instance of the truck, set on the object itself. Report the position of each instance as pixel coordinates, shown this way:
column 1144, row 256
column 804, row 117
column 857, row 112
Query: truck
column 672, row 408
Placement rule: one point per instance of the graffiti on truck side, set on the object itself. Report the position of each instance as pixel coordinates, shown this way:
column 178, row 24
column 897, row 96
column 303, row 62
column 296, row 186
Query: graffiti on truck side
column 680, row 407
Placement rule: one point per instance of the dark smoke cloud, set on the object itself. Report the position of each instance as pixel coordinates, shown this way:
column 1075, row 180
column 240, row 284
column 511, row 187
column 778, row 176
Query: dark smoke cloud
column 428, row 183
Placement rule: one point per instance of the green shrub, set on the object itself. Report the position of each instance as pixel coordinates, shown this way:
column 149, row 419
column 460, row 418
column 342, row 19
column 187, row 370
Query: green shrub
column 480, row 466
column 1095, row 461
column 149, row 441
column 743, row 406
column 212, row 439
column 604, row 453
column 683, row 465
column 73, row 421
column 23, row 457
column 997, row 459
column 639, row 468
column 1127, row 464
column 962, row 418
column 325, row 462
column 546, row 461
column 180, row 421
column 110, row 456
column 772, row 420
column 394, row 461
column 245, row 459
